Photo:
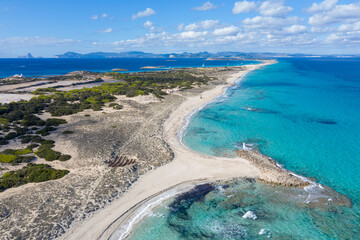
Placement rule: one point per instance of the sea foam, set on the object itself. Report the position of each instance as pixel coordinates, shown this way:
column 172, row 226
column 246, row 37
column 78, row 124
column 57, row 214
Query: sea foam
column 250, row 215
column 146, row 210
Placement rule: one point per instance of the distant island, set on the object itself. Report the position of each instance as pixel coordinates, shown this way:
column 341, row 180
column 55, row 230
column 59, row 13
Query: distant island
column 29, row 55
column 205, row 55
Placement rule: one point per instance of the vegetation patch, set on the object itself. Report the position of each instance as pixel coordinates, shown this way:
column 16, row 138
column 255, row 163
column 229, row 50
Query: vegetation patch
column 54, row 121
column 40, row 91
column 16, row 156
column 45, row 151
column 4, row 158
column 116, row 106
column 30, row 173
column 31, row 138
column 64, row 157
column 66, row 132
column 4, row 121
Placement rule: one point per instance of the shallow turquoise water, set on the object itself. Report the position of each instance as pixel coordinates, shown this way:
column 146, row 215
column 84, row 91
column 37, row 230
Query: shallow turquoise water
column 305, row 114
column 218, row 213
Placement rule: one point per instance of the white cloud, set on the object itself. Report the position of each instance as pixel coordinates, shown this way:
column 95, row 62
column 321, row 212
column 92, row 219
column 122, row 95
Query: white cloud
column 108, row 30
column 350, row 27
column 205, row 7
column 261, row 22
column 207, row 24
column 295, row 29
column 147, row 12
column 337, row 14
column 274, row 9
column 96, row 17
column 322, row 29
column 192, row 34
column 35, row 41
column 243, row 6
column 148, row 24
column 332, row 38
column 226, row 31
column 323, row 6
column 242, row 38
column 343, row 38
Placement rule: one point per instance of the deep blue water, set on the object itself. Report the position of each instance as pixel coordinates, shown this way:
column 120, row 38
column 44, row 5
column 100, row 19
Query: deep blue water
column 58, row 66
column 305, row 113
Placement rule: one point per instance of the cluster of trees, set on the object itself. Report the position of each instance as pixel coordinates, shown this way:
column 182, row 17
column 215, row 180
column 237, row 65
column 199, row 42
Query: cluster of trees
column 45, row 151
column 18, row 156
column 134, row 84
column 23, row 128
column 19, row 120
column 30, row 173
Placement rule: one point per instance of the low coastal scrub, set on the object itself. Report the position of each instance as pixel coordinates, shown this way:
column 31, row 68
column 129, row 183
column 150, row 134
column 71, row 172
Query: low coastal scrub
column 40, row 91
column 116, row 106
column 64, row 157
column 30, row 173
column 26, row 155
column 17, row 156
column 45, row 151
column 135, row 84
column 19, row 120
column 67, row 132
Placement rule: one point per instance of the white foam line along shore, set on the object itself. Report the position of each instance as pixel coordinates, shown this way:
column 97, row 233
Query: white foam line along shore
column 187, row 167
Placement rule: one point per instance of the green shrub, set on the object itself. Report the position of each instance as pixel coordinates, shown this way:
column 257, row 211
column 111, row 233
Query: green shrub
column 10, row 135
column 67, row 132
column 47, row 142
column 45, row 146
column 30, row 173
column 64, row 157
column 31, row 138
column 118, row 107
column 3, row 141
column 32, row 146
column 52, row 155
column 23, row 151
column 48, row 154
column 4, row 121
column 40, row 91
column 22, row 159
column 113, row 104
column 4, row 158
column 45, row 131
column 9, row 151
column 55, row 121
column 32, row 120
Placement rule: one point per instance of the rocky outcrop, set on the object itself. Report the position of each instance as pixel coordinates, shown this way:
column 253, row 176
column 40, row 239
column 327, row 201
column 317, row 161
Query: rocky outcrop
column 270, row 172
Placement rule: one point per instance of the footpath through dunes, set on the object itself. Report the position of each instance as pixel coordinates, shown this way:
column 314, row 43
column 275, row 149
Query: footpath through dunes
column 187, row 167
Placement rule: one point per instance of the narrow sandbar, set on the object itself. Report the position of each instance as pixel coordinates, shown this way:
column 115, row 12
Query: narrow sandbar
column 186, row 167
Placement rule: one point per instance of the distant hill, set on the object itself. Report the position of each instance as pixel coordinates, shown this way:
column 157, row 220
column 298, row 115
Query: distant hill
column 219, row 55
column 29, row 55
column 133, row 54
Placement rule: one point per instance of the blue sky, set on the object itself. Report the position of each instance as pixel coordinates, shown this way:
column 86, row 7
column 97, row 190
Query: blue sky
column 49, row 27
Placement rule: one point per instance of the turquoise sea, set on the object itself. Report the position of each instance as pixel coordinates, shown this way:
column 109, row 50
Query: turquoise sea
column 304, row 113
column 32, row 67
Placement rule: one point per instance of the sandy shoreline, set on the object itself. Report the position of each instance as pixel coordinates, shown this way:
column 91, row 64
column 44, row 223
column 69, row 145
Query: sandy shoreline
column 186, row 167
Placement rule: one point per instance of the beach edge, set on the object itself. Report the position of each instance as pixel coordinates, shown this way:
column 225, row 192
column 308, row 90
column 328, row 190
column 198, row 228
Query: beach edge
column 187, row 167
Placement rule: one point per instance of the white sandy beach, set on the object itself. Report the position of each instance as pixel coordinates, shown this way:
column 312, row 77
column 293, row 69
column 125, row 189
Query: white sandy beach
column 187, row 168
